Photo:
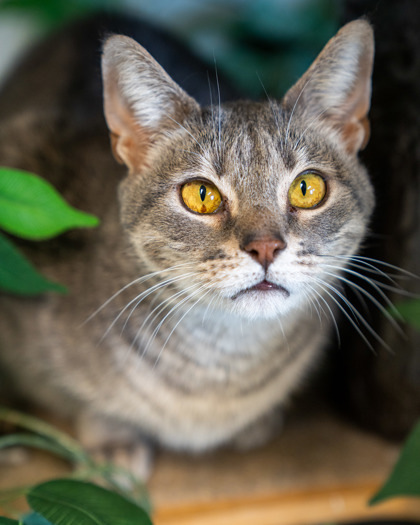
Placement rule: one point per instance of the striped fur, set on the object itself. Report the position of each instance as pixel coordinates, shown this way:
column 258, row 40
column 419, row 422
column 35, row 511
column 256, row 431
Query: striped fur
column 186, row 356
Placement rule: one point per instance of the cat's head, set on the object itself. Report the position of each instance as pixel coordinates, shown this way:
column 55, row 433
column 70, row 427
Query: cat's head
column 249, row 199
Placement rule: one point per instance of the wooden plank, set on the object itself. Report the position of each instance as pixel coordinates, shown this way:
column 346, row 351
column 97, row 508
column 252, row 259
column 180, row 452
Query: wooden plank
column 317, row 506
column 320, row 469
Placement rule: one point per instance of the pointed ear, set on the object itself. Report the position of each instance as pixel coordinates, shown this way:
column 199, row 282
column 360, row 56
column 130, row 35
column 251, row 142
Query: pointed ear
column 336, row 89
column 141, row 102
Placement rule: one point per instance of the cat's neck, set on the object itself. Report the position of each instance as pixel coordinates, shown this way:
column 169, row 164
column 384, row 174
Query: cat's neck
column 212, row 333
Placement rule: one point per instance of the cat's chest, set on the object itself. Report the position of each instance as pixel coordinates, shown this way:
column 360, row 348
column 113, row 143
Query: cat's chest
column 201, row 355
column 201, row 391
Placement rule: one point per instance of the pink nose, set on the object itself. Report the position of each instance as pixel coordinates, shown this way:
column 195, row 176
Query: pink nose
column 265, row 250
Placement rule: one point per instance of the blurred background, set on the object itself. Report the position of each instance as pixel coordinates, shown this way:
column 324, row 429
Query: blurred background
column 264, row 46
column 271, row 40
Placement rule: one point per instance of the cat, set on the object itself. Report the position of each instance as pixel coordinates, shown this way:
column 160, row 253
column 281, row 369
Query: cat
column 190, row 314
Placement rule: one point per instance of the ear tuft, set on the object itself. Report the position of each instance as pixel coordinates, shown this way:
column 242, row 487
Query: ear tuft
column 336, row 89
column 141, row 101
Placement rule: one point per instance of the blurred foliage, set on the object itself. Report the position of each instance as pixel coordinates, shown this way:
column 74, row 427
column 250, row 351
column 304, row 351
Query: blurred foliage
column 50, row 12
column 404, row 480
column 30, row 208
column 271, row 40
column 410, row 312
column 119, row 482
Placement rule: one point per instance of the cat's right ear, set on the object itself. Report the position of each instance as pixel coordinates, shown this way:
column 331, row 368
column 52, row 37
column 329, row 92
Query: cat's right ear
column 141, row 102
column 335, row 91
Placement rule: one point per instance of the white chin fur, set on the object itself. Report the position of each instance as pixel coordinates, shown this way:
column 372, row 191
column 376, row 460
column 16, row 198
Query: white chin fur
column 262, row 304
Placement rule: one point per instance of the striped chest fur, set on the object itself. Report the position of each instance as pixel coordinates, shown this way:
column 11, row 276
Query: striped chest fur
column 217, row 260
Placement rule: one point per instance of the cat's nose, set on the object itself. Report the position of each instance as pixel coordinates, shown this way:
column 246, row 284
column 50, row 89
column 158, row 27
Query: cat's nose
column 265, row 251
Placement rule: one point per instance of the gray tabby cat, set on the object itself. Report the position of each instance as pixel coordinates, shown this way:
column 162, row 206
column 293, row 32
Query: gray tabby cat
column 190, row 315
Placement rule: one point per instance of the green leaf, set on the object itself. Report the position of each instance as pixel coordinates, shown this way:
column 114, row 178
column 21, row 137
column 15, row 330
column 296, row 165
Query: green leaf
column 66, row 502
column 405, row 478
column 32, row 209
column 410, row 312
column 34, row 441
column 63, row 440
column 35, row 519
column 17, row 275
column 6, row 521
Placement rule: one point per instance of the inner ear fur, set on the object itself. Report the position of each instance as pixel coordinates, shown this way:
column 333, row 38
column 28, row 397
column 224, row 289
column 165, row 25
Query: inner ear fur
column 141, row 102
column 336, row 89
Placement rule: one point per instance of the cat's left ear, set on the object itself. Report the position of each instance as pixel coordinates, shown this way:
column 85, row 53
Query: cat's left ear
column 336, row 89
column 141, row 102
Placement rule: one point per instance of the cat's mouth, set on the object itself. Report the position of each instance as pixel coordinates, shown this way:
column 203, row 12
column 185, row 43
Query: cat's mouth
column 264, row 286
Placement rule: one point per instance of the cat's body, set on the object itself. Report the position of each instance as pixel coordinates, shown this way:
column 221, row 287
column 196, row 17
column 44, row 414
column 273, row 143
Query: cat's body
column 243, row 331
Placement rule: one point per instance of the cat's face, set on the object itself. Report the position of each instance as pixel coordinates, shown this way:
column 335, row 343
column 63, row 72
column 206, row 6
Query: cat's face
column 248, row 200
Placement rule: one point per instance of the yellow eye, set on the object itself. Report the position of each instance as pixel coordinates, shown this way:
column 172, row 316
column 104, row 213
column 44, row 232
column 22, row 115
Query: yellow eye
column 201, row 197
column 307, row 191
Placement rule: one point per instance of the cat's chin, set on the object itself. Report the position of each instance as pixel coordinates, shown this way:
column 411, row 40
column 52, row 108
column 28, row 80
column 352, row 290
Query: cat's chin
column 262, row 304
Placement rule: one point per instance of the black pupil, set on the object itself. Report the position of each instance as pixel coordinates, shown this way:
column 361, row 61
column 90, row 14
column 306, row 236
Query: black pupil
column 303, row 187
column 203, row 192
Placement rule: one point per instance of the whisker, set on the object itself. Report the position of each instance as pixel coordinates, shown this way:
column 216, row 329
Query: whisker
column 140, row 298
column 135, row 281
column 189, row 133
column 309, row 80
column 270, row 103
column 207, row 309
column 362, row 258
column 355, row 312
column 367, row 267
column 315, row 305
column 211, row 104
column 150, row 290
column 353, row 323
column 178, row 322
column 283, row 334
column 383, row 310
column 161, row 307
column 200, row 156
column 330, row 311
column 220, row 106
column 362, row 290
column 158, row 327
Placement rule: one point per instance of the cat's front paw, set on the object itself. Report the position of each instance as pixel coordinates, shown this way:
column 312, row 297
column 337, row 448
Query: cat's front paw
column 108, row 441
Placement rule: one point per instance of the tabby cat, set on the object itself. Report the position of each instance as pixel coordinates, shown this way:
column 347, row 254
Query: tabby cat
column 191, row 313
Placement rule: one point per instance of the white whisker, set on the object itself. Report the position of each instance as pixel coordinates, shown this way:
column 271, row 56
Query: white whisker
column 270, row 103
column 309, row 80
column 179, row 321
column 135, row 281
column 189, row 133
column 367, row 260
column 354, row 311
column 329, row 310
column 171, row 311
column 160, row 307
column 140, row 297
column 220, row 108
column 363, row 291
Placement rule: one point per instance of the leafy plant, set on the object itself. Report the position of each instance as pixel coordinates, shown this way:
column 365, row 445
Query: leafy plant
column 30, row 208
column 405, row 477
column 67, row 501
column 74, row 500
column 410, row 312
